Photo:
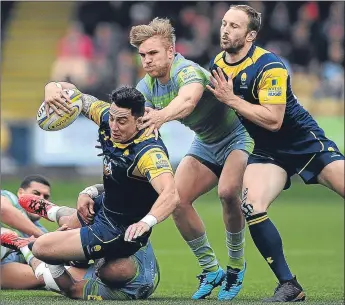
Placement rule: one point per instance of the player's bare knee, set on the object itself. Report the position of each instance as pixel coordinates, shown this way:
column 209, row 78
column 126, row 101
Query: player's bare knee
column 118, row 272
column 229, row 195
column 182, row 207
column 251, row 206
column 38, row 249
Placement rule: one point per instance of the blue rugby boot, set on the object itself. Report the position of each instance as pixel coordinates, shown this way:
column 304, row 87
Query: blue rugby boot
column 208, row 281
column 232, row 283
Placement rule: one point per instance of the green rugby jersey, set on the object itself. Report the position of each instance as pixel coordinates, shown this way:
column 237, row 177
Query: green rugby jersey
column 211, row 120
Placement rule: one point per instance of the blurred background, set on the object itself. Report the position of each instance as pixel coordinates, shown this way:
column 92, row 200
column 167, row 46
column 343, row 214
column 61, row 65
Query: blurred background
column 87, row 43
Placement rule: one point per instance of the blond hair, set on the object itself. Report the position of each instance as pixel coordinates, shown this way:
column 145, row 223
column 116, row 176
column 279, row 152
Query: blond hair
column 157, row 27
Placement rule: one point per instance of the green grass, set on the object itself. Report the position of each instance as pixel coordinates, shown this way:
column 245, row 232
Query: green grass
column 310, row 220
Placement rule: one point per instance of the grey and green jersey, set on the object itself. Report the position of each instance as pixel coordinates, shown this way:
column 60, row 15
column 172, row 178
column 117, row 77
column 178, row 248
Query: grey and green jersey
column 14, row 201
column 211, row 120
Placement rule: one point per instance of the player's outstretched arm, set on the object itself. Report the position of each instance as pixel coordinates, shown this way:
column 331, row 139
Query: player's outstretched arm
column 165, row 204
column 180, row 107
column 12, row 217
column 168, row 198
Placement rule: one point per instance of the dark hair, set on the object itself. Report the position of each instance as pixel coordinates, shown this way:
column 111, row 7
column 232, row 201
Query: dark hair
column 130, row 98
column 253, row 15
column 34, row 178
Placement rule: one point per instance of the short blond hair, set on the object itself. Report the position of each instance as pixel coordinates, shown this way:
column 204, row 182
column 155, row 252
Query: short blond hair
column 157, row 27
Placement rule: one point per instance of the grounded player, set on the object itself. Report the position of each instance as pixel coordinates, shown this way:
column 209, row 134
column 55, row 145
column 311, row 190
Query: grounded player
column 287, row 139
column 175, row 88
column 136, row 170
column 12, row 214
column 135, row 277
column 13, row 266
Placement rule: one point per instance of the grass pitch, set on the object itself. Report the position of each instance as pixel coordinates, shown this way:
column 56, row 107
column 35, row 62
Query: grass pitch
column 309, row 218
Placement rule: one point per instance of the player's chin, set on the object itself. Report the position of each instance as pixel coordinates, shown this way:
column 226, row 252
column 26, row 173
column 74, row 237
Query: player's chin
column 116, row 139
column 152, row 73
column 224, row 45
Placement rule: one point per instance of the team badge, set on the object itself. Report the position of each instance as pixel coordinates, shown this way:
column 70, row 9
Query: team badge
column 243, row 81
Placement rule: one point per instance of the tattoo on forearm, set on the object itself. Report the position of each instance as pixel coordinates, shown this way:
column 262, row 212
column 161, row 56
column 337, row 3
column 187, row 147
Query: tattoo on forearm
column 88, row 100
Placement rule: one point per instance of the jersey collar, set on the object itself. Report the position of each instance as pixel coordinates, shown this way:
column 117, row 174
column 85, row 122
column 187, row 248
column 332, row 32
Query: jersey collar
column 139, row 137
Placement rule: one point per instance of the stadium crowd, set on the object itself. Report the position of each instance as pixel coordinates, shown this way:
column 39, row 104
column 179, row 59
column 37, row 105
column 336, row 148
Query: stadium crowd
column 308, row 35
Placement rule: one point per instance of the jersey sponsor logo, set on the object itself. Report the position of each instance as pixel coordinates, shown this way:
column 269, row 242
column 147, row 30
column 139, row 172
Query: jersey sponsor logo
column 94, row 298
column 187, row 74
column 275, row 91
column 159, row 161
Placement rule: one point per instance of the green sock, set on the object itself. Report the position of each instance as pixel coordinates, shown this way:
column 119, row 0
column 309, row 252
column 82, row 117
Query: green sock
column 204, row 253
column 235, row 243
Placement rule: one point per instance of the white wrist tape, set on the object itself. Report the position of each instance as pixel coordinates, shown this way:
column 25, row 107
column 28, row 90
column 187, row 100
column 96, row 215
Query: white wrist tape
column 150, row 220
column 91, row 191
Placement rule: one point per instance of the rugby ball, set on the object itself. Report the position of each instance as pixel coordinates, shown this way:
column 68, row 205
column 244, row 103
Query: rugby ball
column 55, row 122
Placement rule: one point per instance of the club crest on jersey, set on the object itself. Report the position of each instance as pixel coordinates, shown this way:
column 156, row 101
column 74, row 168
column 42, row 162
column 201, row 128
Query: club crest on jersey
column 243, row 81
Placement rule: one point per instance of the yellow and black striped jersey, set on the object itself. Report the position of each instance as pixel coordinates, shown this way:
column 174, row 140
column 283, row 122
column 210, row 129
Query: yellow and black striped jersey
column 262, row 78
column 128, row 168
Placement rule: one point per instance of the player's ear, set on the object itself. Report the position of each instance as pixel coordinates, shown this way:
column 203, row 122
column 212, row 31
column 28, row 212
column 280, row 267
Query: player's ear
column 251, row 36
column 139, row 122
column 20, row 192
column 171, row 52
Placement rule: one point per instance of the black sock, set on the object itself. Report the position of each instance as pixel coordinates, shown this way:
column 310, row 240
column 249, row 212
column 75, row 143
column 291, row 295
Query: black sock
column 268, row 241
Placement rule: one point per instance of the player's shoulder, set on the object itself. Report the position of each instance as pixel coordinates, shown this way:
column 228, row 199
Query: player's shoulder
column 12, row 197
column 263, row 58
column 182, row 64
column 145, row 143
column 146, row 84
column 216, row 59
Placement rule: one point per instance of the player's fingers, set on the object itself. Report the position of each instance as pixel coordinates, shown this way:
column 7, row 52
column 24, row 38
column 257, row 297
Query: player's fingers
column 137, row 232
column 65, row 107
column 148, row 109
column 210, row 89
column 214, row 82
column 128, row 232
column 46, row 106
column 84, row 218
column 216, row 76
column 55, row 109
column 156, row 133
column 221, row 75
column 144, row 125
column 150, row 130
column 66, row 97
column 91, row 210
column 63, row 104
